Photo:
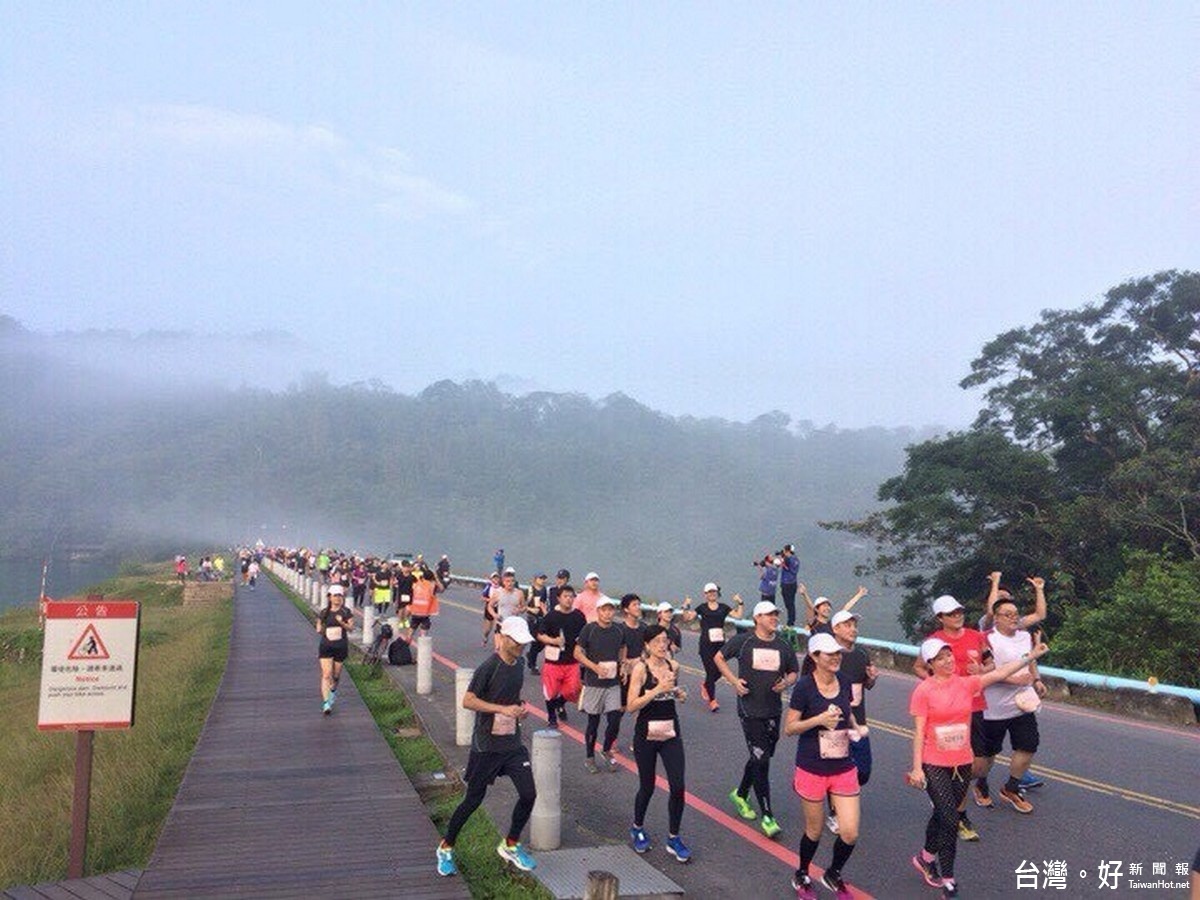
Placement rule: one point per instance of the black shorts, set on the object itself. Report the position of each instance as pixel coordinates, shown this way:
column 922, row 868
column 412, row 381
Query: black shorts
column 1022, row 734
column 420, row 622
column 485, row 768
column 761, row 736
column 337, row 651
column 979, row 741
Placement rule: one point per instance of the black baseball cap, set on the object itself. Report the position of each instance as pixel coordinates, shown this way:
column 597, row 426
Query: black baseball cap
column 563, row 573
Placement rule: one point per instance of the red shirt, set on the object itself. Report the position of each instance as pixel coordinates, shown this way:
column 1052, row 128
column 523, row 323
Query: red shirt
column 968, row 647
column 946, row 706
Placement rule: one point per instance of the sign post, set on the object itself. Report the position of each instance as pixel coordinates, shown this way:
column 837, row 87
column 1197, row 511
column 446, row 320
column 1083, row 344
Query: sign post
column 89, row 670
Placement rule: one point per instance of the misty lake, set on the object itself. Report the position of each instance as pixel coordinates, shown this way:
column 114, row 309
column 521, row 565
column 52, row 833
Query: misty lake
column 21, row 579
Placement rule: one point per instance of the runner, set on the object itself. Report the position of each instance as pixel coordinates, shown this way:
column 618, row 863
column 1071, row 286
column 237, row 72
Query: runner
column 600, row 650
column 507, row 600
column 1011, row 708
column 633, row 632
column 712, row 614
column 536, row 605
column 334, row 622
column 589, row 598
column 358, row 583
column 489, row 615
column 402, row 588
column 767, row 666
column 652, row 693
column 560, row 671
column 424, row 606
column 819, row 612
column 862, row 675
column 972, row 656
column 943, row 713
column 254, row 570
column 666, row 620
column 381, row 587
column 819, row 712
column 494, row 694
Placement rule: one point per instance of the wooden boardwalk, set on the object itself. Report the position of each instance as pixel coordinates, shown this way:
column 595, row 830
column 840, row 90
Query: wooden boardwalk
column 114, row 886
column 281, row 801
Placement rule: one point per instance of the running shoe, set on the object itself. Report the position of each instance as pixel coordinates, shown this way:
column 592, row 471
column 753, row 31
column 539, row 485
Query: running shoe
column 608, row 760
column 445, row 861
column 966, row 831
column 533, row 670
column 769, row 826
column 1017, row 800
column 326, row 707
column 678, row 849
column 949, row 887
column 333, row 697
column 639, row 839
column 982, row 796
column 713, row 705
column 929, row 871
column 742, row 805
column 831, row 823
column 803, row 887
column 562, row 711
column 552, row 723
column 515, row 854
column 590, row 765
column 833, row 881
column 1029, row 780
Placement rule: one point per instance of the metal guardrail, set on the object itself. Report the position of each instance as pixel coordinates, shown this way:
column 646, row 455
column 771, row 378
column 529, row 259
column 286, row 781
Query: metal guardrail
column 1083, row 679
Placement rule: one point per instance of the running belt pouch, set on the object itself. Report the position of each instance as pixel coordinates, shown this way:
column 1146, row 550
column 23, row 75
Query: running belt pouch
column 400, row 654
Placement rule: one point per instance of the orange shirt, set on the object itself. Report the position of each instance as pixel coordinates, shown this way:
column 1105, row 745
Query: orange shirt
column 424, row 598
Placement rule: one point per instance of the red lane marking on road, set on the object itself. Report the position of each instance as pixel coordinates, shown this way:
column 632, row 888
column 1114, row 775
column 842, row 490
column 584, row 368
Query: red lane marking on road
column 759, row 840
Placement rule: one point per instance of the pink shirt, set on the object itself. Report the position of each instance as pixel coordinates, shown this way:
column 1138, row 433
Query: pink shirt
column 968, row 647
column 585, row 602
column 946, row 706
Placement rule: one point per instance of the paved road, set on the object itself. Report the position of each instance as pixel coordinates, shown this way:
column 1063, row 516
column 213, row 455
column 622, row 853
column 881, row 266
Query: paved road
column 1117, row 790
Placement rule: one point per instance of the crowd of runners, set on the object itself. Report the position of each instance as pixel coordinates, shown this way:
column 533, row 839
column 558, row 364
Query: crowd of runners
column 609, row 658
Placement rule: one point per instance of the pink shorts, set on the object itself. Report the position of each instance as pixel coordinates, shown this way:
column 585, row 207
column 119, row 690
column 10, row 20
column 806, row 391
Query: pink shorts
column 560, row 679
column 813, row 787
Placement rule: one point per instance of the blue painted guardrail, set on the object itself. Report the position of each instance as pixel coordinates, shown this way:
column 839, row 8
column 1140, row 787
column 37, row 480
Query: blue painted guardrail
column 1083, row 679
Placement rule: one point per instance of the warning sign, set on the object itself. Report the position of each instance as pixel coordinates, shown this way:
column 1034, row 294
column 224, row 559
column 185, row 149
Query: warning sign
column 89, row 665
column 89, row 646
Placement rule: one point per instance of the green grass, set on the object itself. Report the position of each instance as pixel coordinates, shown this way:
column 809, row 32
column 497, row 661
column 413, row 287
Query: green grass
column 136, row 772
column 486, row 875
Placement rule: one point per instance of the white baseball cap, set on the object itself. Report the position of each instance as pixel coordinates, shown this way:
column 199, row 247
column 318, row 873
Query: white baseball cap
column 606, row 600
column 337, row 589
column 843, row 615
column 510, row 571
column 824, row 643
column 591, row 576
column 821, row 600
column 945, row 604
column 664, row 607
column 931, row 647
column 711, row 586
column 764, row 607
column 516, row 628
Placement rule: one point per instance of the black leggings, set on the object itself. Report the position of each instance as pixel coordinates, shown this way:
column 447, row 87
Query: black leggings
column 522, row 779
column 611, row 729
column 711, row 673
column 789, row 601
column 946, row 786
column 646, row 753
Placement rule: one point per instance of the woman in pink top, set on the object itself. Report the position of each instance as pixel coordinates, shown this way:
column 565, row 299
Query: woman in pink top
column 941, row 707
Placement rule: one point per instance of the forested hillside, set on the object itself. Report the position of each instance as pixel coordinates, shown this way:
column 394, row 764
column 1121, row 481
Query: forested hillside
column 661, row 503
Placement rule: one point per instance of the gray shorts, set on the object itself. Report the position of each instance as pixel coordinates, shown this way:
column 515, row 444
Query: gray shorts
column 599, row 700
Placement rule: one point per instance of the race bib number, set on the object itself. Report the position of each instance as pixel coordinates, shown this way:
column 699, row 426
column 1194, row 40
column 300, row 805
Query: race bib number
column 333, row 633
column 951, row 737
column 405, row 598
column 716, row 635
column 765, row 659
column 834, row 744
column 503, row 725
column 856, row 695
column 660, row 729
column 607, row 670
column 553, row 653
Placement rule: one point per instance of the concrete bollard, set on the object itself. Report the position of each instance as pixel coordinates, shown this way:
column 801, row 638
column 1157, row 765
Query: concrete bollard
column 424, row 664
column 368, row 631
column 545, row 825
column 315, row 597
column 464, row 719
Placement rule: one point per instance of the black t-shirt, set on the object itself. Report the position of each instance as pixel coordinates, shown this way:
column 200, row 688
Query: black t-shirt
column 335, row 619
column 815, row 627
column 808, row 700
column 601, row 645
column 535, row 601
column 497, row 682
column 568, row 624
column 661, row 708
column 403, row 587
column 635, row 640
column 674, row 637
column 761, row 664
column 712, row 621
column 854, row 670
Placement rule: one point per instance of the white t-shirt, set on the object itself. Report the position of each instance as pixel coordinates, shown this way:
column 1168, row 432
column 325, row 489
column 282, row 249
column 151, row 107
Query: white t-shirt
column 1001, row 702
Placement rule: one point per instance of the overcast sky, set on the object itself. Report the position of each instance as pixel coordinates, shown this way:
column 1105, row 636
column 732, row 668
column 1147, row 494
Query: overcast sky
column 718, row 209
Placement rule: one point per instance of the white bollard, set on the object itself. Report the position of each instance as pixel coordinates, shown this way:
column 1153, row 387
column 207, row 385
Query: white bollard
column 368, row 634
column 545, row 825
column 424, row 664
column 314, row 595
column 464, row 719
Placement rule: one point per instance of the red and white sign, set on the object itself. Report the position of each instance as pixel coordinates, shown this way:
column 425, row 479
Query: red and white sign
column 89, row 665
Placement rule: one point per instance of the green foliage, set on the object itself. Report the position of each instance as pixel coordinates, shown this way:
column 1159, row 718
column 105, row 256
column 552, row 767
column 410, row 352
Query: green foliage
column 1086, row 456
